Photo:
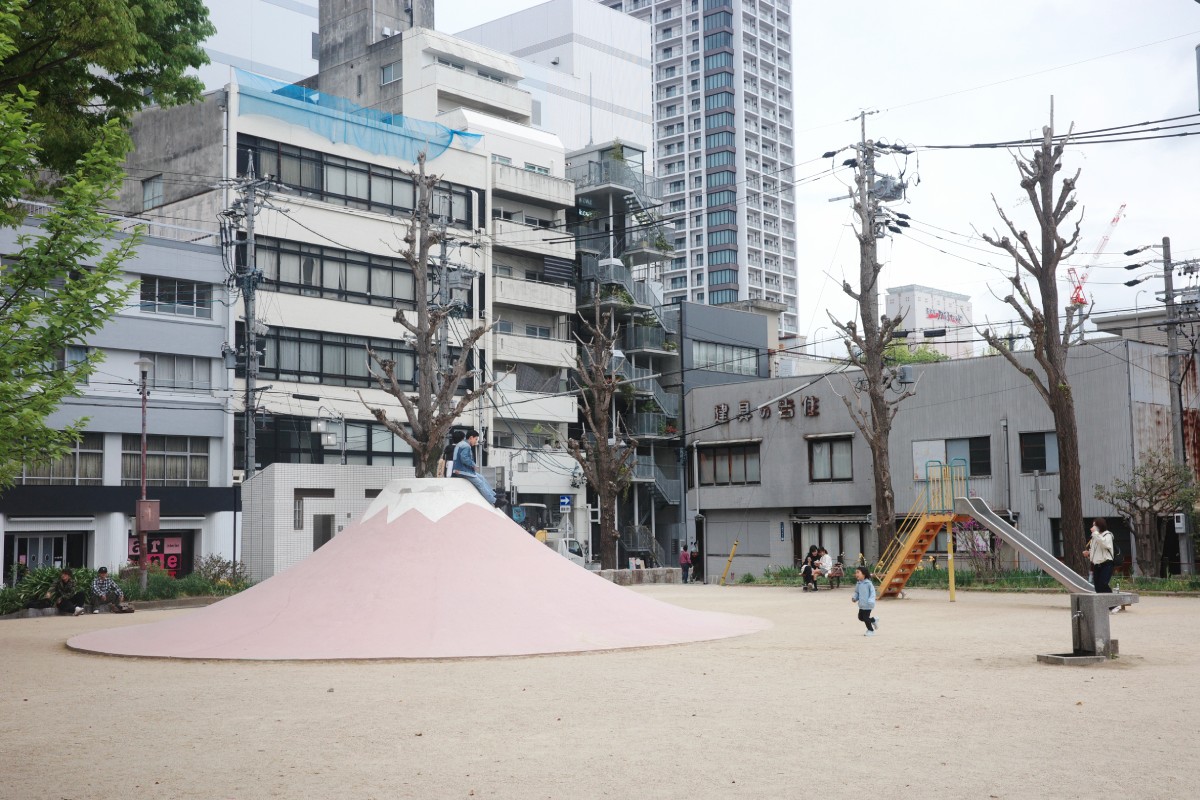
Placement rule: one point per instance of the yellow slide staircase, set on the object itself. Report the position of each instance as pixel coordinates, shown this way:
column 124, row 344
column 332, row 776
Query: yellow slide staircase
column 929, row 515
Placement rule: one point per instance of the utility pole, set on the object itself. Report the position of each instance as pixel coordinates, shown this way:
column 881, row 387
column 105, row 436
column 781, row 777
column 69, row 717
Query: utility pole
column 1186, row 556
column 1173, row 354
column 248, row 276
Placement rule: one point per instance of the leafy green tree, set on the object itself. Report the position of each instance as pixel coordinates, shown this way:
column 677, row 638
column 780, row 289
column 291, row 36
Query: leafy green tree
column 60, row 286
column 898, row 353
column 95, row 61
column 1156, row 488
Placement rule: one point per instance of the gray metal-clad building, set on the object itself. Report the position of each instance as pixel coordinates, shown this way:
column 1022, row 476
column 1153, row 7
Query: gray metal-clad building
column 786, row 472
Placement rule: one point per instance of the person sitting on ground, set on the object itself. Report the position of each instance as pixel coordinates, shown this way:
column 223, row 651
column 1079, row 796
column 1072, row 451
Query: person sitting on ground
column 105, row 591
column 63, row 595
column 464, row 466
column 445, row 468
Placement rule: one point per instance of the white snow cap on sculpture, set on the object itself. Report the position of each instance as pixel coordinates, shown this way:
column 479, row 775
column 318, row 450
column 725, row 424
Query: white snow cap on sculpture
column 433, row 498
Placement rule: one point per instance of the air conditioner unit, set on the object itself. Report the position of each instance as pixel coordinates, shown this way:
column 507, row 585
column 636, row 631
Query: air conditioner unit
column 388, row 33
column 239, row 475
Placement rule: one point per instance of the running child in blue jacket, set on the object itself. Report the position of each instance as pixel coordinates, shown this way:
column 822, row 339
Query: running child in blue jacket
column 864, row 595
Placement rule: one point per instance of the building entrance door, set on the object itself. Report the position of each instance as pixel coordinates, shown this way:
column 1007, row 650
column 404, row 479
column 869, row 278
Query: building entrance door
column 41, row 551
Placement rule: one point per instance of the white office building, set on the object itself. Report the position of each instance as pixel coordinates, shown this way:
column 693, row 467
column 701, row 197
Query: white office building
column 587, row 67
column 940, row 319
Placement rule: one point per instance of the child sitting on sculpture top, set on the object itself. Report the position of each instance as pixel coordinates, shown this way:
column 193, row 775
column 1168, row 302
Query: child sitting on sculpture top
column 464, row 466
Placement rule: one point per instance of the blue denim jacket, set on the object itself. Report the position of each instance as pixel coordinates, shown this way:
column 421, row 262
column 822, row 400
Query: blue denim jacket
column 864, row 593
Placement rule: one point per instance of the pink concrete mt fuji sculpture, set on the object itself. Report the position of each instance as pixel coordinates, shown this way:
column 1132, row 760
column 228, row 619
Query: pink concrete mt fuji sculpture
column 430, row 571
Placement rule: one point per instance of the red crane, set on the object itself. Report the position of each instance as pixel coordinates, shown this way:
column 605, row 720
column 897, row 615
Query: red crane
column 1078, row 298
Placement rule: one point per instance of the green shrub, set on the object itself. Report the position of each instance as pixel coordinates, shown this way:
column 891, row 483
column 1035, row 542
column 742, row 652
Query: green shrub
column 747, row 577
column 10, row 600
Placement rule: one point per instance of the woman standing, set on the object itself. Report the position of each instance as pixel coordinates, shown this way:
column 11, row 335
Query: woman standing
column 1100, row 553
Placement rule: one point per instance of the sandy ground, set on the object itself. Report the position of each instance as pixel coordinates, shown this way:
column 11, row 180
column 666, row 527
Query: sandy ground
column 946, row 702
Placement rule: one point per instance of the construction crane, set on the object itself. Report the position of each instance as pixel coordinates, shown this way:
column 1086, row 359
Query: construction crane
column 1078, row 298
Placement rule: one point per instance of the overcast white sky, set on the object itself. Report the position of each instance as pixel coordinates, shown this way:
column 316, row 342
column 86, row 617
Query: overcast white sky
column 960, row 71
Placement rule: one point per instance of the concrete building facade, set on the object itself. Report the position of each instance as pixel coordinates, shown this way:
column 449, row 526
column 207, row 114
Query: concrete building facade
column 795, row 471
column 587, row 66
column 328, row 242
column 79, row 510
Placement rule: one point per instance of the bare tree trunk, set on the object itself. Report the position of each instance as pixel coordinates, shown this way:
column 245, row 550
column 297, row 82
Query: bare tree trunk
column 431, row 413
column 1050, row 335
column 605, row 460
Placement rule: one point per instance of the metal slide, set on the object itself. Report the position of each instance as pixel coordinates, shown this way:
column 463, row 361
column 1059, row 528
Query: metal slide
column 978, row 509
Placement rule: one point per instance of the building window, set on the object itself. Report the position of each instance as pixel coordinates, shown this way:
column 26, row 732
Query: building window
column 720, row 139
column 152, row 192
column 499, row 159
column 715, row 41
column 722, row 237
column 170, row 460
column 716, row 218
column 716, row 179
column 83, row 466
column 718, row 80
column 390, row 73
column 722, row 296
column 445, row 62
column 717, row 357
column 1039, row 452
column 538, row 168
column 720, row 120
column 69, row 357
column 718, row 60
column 718, row 100
column 830, row 460
column 722, row 276
column 722, row 257
column 343, row 181
column 538, row 331
column 675, row 187
column 721, row 159
column 171, row 296
column 723, row 198
column 313, row 271
column 975, row 451
column 679, row 282
column 304, row 356
column 180, row 372
column 729, row 466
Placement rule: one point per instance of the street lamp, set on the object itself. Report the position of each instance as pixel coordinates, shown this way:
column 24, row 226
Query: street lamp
column 146, row 518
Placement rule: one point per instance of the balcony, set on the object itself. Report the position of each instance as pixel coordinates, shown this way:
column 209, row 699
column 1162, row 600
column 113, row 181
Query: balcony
column 529, row 238
column 534, row 350
column 515, row 404
column 644, row 339
column 615, row 175
column 524, row 184
column 551, row 297
column 647, row 425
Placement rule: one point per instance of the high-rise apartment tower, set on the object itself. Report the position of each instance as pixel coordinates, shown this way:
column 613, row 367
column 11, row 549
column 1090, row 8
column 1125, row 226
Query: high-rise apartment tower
column 723, row 147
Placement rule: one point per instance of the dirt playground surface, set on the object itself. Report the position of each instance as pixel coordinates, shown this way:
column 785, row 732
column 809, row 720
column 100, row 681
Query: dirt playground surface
column 946, row 702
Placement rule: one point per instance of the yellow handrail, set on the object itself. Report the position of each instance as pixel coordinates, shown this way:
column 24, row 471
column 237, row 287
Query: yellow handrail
column 911, row 519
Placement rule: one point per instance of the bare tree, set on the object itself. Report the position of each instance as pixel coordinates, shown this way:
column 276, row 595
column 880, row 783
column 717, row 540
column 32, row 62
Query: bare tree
column 604, row 458
column 870, row 406
column 436, row 405
column 1039, row 309
column 1158, row 487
